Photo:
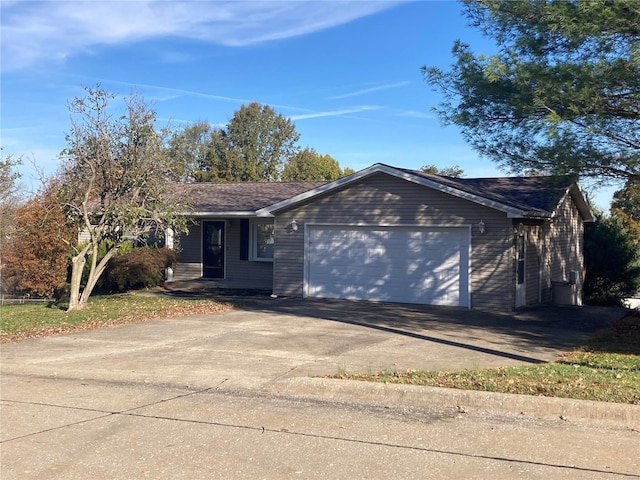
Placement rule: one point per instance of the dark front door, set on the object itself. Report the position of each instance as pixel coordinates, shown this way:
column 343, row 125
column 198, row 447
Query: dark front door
column 213, row 249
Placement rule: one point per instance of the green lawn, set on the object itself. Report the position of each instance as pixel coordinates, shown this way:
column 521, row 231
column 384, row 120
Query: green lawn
column 606, row 369
column 18, row 322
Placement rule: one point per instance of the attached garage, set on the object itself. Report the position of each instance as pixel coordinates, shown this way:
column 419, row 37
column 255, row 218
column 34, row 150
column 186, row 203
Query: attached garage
column 406, row 264
column 394, row 235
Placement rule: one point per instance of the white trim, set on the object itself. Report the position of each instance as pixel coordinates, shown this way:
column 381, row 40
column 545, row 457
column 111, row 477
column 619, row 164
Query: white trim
column 253, row 239
column 521, row 288
column 235, row 214
column 580, row 200
column 169, row 236
column 512, row 212
column 307, row 226
column 387, row 225
column 318, row 190
column 456, row 192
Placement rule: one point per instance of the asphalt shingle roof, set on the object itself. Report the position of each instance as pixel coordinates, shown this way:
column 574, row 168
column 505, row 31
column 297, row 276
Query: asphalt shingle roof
column 239, row 197
column 536, row 195
column 533, row 195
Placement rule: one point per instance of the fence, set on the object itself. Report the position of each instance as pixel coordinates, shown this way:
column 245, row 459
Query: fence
column 20, row 300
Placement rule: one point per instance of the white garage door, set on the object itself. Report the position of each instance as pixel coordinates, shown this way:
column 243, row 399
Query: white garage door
column 427, row 265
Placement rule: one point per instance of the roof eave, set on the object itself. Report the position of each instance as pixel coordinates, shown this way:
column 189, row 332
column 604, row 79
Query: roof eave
column 289, row 202
column 582, row 203
column 226, row 214
column 532, row 215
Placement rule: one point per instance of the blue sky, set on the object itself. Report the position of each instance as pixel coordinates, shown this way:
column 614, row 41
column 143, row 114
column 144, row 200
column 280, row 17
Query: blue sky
column 346, row 73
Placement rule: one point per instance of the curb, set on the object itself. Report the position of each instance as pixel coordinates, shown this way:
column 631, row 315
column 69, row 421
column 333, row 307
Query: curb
column 570, row 410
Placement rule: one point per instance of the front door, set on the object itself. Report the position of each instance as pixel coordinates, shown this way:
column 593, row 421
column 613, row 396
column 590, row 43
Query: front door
column 521, row 284
column 213, row 249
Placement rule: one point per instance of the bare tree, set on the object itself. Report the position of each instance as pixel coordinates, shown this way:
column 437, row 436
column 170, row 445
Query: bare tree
column 115, row 182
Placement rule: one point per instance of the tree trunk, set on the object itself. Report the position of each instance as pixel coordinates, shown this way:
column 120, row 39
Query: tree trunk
column 77, row 266
column 95, row 273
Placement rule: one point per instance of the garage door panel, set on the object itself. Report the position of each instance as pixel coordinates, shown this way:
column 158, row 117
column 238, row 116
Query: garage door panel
column 401, row 264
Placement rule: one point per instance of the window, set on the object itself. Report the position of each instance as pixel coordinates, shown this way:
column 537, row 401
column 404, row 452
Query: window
column 262, row 240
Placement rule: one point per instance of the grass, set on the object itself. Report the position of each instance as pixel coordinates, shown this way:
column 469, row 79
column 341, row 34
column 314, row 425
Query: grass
column 18, row 322
column 606, row 369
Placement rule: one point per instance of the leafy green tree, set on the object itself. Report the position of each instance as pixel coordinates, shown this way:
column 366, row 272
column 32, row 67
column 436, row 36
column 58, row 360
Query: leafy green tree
column 221, row 163
column 257, row 144
column 254, row 146
column 562, row 93
column 308, row 165
column 9, row 195
column 454, row 171
column 8, row 178
column 189, row 149
column 114, row 182
column 612, row 261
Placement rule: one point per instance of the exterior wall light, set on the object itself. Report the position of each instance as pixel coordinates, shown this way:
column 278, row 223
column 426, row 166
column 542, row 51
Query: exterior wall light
column 293, row 225
column 481, row 227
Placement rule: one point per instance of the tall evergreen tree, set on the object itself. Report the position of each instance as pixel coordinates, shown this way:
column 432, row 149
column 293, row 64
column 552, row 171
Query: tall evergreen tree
column 562, row 95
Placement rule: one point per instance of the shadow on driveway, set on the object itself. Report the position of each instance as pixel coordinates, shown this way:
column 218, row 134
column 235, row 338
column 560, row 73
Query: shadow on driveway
column 517, row 335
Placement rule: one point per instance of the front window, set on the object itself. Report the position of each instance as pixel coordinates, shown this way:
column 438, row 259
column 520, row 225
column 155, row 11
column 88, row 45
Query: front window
column 262, row 240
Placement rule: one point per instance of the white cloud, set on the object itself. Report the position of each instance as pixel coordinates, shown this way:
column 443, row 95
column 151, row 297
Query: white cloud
column 364, row 91
column 416, row 114
column 54, row 30
column 160, row 93
column 333, row 113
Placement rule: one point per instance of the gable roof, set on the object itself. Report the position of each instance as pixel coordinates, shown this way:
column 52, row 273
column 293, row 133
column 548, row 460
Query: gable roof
column 237, row 199
column 518, row 197
column 537, row 196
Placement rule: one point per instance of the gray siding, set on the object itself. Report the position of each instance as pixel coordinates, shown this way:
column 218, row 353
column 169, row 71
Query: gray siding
column 190, row 245
column 532, row 261
column 562, row 247
column 238, row 273
column 381, row 199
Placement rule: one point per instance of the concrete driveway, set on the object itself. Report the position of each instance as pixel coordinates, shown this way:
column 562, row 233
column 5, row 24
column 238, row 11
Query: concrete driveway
column 206, row 396
column 267, row 339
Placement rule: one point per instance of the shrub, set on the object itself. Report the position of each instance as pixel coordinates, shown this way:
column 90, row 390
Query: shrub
column 126, row 247
column 35, row 261
column 612, row 260
column 139, row 268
